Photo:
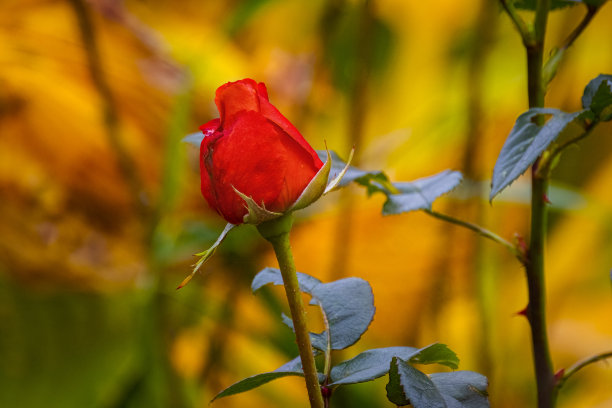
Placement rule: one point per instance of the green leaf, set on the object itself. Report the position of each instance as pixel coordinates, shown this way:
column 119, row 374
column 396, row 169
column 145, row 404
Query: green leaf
column 374, row 363
column 315, row 188
column 369, row 365
column 273, row 275
column 348, row 305
column 554, row 5
column 194, row 139
column 598, row 97
column 462, row 389
column 292, row 368
column 257, row 214
column 420, row 194
column 318, row 341
column 436, row 354
column 526, row 142
column 407, row 385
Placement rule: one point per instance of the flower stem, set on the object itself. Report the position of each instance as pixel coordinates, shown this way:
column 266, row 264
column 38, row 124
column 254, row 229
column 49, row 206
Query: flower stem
column 581, row 364
column 277, row 233
column 518, row 21
column 536, row 284
column 480, row 230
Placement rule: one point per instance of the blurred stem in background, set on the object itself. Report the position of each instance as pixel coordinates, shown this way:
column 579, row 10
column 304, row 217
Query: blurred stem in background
column 357, row 94
column 480, row 280
column 109, row 107
column 483, row 281
column 156, row 382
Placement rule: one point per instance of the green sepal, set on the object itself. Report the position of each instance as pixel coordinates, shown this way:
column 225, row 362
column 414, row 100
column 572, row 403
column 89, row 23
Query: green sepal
column 257, row 214
column 336, row 181
column 315, row 188
column 205, row 255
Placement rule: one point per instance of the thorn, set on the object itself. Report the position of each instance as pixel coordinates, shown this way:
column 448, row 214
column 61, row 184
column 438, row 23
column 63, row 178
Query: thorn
column 326, row 392
column 523, row 312
column 559, row 375
column 546, row 199
column 521, row 245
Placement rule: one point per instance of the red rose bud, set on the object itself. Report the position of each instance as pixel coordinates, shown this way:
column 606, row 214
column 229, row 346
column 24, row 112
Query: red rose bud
column 252, row 149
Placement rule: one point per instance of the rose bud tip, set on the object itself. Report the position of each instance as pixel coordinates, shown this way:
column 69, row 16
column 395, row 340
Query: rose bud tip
column 254, row 149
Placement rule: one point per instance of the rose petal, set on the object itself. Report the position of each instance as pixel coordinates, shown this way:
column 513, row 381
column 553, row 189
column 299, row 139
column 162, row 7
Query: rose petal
column 257, row 158
column 235, row 97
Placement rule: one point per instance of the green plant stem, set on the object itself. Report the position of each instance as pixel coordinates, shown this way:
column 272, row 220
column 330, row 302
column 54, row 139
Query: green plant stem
column 518, row 21
column 551, row 65
column 536, row 283
column 480, row 230
column 591, row 11
column 581, row 364
column 328, row 362
column 559, row 149
column 327, row 366
column 282, row 249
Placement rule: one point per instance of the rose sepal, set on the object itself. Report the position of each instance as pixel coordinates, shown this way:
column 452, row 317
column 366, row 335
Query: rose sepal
column 205, row 255
column 315, row 188
column 318, row 186
column 257, row 214
column 334, row 183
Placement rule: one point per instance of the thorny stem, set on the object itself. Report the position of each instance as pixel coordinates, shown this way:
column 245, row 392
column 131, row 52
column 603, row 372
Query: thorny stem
column 538, row 76
column 277, row 233
column 482, row 231
column 536, row 309
column 580, row 365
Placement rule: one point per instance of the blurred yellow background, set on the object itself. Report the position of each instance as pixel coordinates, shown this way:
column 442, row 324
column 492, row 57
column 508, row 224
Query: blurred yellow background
column 100, row 209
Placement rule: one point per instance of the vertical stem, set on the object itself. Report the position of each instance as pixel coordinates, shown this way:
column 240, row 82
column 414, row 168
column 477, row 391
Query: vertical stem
column 358, row 95
column 110, row 111
column 277, row 233
column 536, row 310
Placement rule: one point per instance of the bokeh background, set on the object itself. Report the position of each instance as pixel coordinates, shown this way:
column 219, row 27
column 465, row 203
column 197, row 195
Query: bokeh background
column 100, row 209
